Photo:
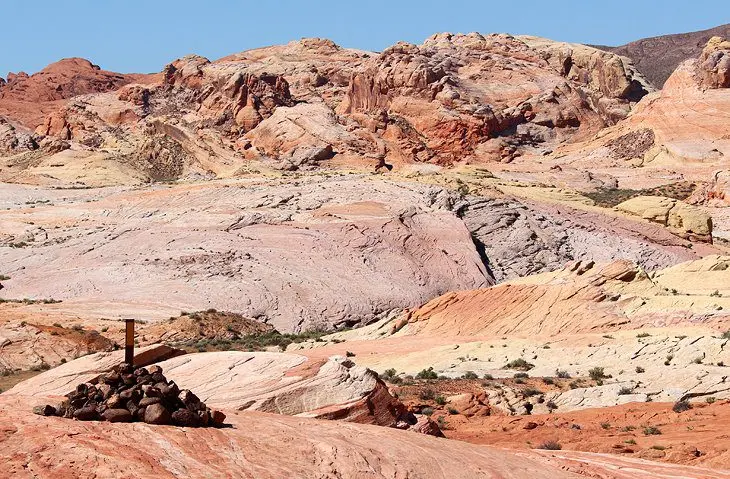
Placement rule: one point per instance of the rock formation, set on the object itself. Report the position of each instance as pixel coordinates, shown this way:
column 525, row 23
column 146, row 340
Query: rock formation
column 658, row 57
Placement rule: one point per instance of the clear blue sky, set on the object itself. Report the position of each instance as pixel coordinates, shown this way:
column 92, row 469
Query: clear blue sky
column 142, row 36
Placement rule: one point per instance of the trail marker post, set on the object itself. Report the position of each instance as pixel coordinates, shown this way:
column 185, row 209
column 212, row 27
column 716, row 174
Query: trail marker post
column 129, row 341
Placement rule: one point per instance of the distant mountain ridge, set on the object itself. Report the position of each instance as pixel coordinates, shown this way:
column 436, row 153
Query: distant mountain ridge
column 658, row 57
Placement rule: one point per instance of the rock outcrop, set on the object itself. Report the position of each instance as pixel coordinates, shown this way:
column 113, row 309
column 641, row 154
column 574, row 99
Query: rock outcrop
column 314, row 253
column 680, row 218
column 714, row 64
column 658, row 57
column 277, row 383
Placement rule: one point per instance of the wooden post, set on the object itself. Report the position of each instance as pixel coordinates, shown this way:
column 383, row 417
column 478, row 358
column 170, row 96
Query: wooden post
column 129, row 342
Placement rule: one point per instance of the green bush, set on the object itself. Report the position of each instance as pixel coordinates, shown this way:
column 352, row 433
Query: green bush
column 427, row 374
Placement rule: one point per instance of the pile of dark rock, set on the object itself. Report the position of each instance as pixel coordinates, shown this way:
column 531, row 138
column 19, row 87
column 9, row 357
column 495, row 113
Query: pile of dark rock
column 128, row 394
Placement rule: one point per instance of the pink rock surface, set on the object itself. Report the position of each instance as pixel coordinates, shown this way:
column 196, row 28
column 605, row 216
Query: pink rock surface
column 272, row 446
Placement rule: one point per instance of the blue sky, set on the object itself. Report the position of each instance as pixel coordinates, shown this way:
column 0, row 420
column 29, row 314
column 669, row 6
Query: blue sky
column 142, row 36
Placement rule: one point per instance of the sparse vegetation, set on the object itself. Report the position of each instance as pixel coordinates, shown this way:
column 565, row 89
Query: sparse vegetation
column 681, row 406
column 453, row 411
column 4, row 277
column 30, row 301
column 519, row 364
column 643, row 335
column 630, row 441
column 652, row 431
column 548, row 381
column 470, row 375
column 625, row 390
column 562, row 374
column 551, row 406
column 698, row 360
column 521, row 376
column 658, row 448
column 639, row 370
column 711, row 400
column 550, row 446
column 440, row 400
column 529, row 392
column 427, row 394
column 597, row 373
column 725, row 335
column 488, row 377
column 427, row 374
column 252, row 342
column 606, row 425
column 428, row 411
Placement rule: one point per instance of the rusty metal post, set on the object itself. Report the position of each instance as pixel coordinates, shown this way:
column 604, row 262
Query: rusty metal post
column 129, row 341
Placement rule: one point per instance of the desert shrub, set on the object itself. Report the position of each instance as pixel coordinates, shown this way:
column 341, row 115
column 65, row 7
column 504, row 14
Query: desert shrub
column 639, row 369
column 453, row 411
column 652, row 431
column 562, row 374
column 389, row 373
column 631, row 441
column 597, row 373
column 427, row 394
column 550, row 446
column 574, row 384
column 519, row 364
column 681, row 406
column 711, row 400
column 628, row 428
column 529, row 392
column 548, row 381
column 551, row 406
column 606, row 425
column 440, row 400
column 427, row 411
column 349, row 354
column 519, row 381
column 643, row 335
column 625, row 390
column 698, row 360
column 488, row 377
column 427, row 374
column 521, row 376
column 725, row 335
column 658, row 448
column 470, row 375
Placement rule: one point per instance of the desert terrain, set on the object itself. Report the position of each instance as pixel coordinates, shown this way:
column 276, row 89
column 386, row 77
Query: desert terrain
column 485, row 255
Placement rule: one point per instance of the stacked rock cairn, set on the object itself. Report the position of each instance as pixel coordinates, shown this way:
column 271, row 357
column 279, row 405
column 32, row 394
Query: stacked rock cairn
column 129, row 394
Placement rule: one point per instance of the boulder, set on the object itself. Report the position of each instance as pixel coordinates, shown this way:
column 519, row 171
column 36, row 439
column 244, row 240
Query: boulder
column 46, row 410
column 185, row 418
column 157, row 414
column 117, row 415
